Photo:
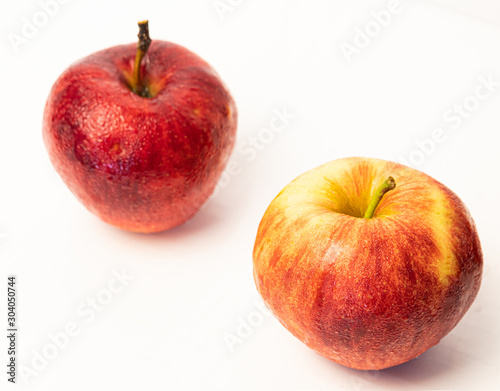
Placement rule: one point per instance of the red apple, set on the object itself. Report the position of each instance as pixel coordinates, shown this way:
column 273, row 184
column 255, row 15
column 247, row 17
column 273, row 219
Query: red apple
column 140, row 139
column 365, row 279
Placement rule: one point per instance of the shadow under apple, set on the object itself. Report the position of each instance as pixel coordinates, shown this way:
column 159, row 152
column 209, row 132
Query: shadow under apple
column 462, row 355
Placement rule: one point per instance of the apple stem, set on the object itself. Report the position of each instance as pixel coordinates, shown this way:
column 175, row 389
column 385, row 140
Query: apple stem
column 388, row 185
column 142, row 48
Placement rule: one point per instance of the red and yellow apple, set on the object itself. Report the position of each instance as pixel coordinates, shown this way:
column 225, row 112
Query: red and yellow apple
column 368, row 262
column 140, row 136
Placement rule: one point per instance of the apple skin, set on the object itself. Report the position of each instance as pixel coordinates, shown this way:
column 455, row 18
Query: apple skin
column 367, row 293
column 141, row 164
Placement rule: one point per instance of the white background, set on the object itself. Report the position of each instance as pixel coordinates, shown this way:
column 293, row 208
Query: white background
column 192, row 287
